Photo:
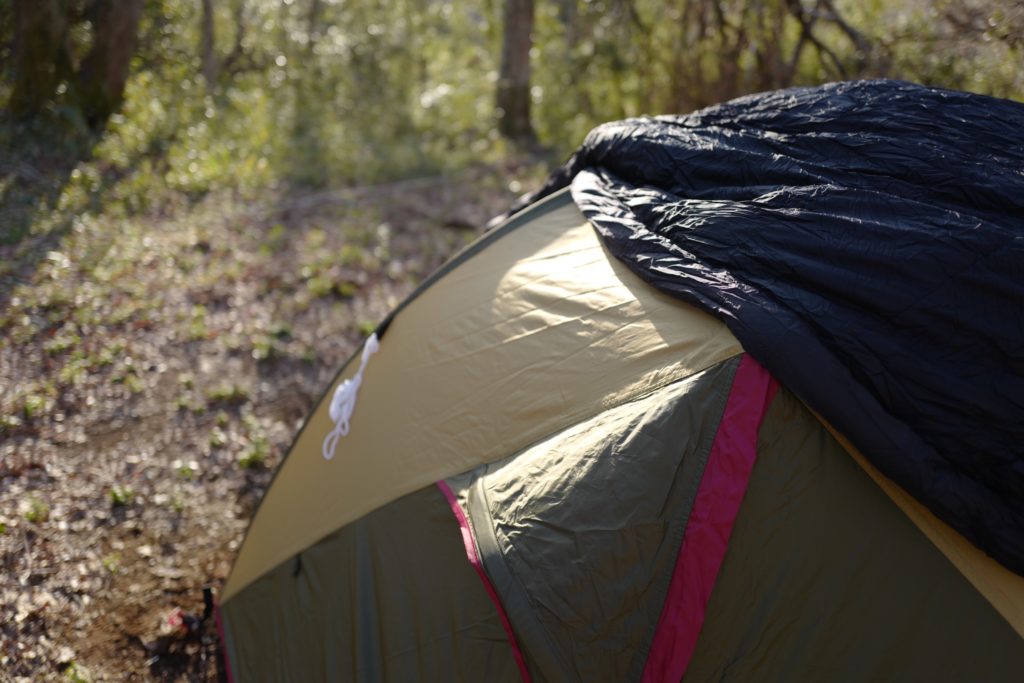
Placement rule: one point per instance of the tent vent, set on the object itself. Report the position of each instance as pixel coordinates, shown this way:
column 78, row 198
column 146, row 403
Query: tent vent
column 344, row 400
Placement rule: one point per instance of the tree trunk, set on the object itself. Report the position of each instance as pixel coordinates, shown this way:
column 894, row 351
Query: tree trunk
column 513, row 98
column 104, row 71
column 207, row 45
column 39, row 49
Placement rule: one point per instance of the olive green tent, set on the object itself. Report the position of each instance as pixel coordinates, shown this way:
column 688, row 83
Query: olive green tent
column 550, row 471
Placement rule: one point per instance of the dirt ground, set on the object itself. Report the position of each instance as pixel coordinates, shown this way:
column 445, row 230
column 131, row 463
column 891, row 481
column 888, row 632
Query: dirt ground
column 153, row 372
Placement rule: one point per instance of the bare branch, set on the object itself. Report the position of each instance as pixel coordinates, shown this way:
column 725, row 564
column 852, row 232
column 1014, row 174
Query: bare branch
column 807, row 33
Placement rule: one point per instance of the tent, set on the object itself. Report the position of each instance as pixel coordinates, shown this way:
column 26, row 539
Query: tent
column 548, row 465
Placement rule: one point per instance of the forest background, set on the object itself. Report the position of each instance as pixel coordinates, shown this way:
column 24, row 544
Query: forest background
column 205, row 204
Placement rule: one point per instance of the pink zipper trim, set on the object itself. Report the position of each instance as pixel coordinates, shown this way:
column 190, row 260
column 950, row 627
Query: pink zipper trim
column 223, row 641
column 710, row 524
column 474, row 559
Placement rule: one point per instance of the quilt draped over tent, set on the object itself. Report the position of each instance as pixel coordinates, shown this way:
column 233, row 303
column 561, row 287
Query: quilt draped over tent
column 865, row 242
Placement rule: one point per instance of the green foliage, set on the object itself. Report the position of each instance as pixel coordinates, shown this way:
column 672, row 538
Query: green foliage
column 8, row 423
column 75, row 673
column 197, row 330
column 38, row 511
column 218, row 438
column 256, row 454
column 127, row 378
column 331, row 93
column 120, row 495
column 34, row 404
column 185, row 470
column 367, row 327
column 61, row 344
column 112, row 563
column 231, row 394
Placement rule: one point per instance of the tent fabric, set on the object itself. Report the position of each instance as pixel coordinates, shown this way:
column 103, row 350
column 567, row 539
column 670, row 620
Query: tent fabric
column 826, row 579
column 865, row 242
column 710, row 523
column 1002, row 588
column 513, row 328
column 580, row 532
column 390, row 597
column 572, row 410
column 473, row 555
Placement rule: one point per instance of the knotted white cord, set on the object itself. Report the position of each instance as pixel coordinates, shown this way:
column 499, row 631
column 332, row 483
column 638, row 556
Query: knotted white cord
column 344, row 400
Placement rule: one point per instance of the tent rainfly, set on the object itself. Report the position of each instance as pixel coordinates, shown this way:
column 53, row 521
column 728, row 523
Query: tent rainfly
column 738, row 396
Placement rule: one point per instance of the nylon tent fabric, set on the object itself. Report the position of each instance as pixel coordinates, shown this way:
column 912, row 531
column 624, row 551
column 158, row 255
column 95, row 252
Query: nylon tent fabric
column 572, row 360
column 865, row 242
column 826, row 580
column 580, row 531
column 389, row 597
column 496, row 353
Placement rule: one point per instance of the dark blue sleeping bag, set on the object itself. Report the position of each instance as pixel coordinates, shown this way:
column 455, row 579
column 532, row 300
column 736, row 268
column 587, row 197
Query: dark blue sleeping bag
column 865, row 242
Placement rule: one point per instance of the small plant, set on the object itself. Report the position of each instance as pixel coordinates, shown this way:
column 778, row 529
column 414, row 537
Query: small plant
column 133, row 383
column 38, row 511
column 231, row 394
column 274, row 241
column 76, row 674
column 232, row 342
column 129, row 379
column 352, row 255
column 59, row 345
column 121, row 496
column 106, row 357
column 122, row 313
column 264, row 348
column 185, row 470
column 218, row 438
column 319, row 285
column 8, row 423
column 112, row 563
column 73, row 373
column 346, row 289
column 178, row 504
column 309, row 355
column 222, row 419
column 33, row 405
column 197, row 330
column 256, row 454
column 281, row 330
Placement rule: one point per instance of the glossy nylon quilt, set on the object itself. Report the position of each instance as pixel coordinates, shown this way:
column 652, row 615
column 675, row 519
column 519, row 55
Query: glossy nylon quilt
column 865, row 242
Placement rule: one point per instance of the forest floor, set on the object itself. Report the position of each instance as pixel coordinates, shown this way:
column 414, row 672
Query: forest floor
column 153, row 371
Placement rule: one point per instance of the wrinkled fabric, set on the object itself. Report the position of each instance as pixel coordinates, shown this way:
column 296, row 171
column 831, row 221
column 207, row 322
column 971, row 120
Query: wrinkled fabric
column 723, row 486
column 865, row 242
column 826, row 580
column 580, row 532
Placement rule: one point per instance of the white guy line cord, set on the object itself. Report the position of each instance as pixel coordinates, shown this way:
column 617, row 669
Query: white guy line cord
column 344, row 400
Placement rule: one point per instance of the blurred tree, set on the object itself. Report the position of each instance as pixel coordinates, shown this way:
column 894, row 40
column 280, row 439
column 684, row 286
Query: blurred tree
column 44, row 55
column 513, row 97
column 40, row 53
column 104, row 71
column 207, row 44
